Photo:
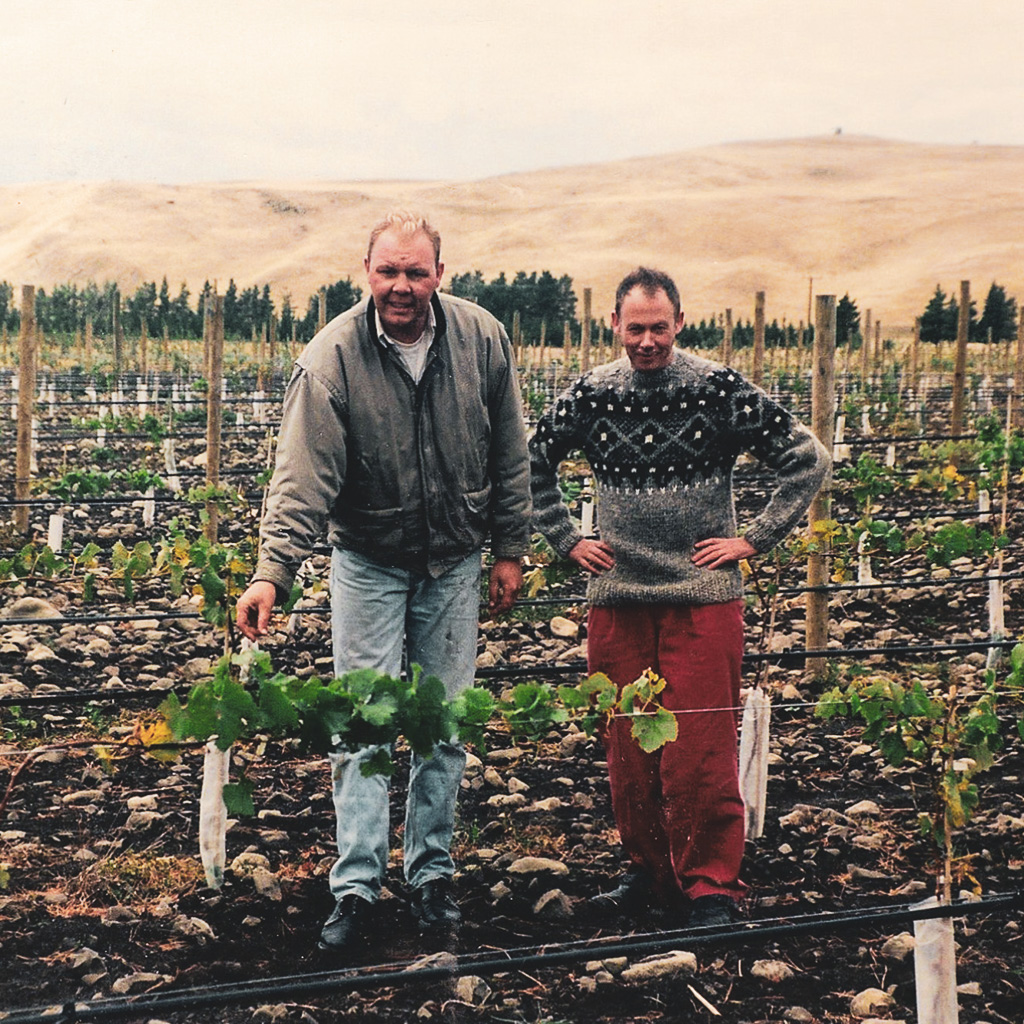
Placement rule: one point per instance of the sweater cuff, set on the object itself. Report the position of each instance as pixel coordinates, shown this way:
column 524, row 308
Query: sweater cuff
column 565, row 539
column 279, row 575
column 760, row 538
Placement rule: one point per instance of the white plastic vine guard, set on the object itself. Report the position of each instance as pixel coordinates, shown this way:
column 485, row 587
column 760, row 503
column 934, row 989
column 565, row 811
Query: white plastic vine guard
column 935, row 969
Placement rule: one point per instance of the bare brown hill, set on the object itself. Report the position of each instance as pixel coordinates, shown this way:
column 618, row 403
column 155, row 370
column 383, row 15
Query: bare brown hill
column 884, row 221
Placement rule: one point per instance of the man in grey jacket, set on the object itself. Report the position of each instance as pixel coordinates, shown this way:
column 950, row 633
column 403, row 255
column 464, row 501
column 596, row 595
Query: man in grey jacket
column 402, row 431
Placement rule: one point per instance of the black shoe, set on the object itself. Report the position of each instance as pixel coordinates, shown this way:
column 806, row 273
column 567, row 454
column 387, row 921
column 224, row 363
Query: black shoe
column 634, row 894
column 713, row 911
column 435, row 907
column 348, row 926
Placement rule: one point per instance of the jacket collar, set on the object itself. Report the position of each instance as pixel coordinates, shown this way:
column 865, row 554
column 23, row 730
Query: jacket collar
column 440, row 320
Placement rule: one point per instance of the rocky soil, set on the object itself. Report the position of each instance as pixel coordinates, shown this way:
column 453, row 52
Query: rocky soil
column 102, row 894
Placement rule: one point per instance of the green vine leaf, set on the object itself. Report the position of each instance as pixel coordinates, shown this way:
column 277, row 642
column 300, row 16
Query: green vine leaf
column 653, row 730
column 238, row 798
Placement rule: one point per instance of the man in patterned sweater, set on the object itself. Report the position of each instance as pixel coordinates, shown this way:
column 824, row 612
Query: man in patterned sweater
column 662, row 430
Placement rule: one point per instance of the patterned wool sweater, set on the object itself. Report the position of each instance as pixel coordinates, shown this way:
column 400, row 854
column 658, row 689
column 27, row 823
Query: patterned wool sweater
column 662, row 445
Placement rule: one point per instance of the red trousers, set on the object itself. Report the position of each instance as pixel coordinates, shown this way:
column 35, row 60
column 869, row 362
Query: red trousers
column 678, row 810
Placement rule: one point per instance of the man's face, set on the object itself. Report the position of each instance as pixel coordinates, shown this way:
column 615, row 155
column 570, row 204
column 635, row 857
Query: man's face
column 403, row 276
column 647, row 325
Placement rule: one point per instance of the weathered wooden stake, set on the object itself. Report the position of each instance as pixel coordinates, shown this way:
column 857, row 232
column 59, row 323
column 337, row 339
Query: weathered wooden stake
column 321, row 313
column 865, row 347
column 585, row 333
column 915, row 356
column 757, row 368
column 823, row 409
column 1018, row 379
column 727, row 339
column 213, row 412
column 89, row 340
column 956, row 425
column 26, row 401
column 118, row 332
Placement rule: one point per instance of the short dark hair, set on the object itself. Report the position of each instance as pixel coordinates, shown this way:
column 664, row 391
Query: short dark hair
column 652, row 282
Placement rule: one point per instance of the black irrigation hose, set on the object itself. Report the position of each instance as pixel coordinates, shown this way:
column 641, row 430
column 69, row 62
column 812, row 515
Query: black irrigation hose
column 248, row 428
column 78, row 620
column 788, row 657
column 199, row 400
column 857, row 439
column 159, row 499
column 487, row 964
column 535, row 602
column 577, row 666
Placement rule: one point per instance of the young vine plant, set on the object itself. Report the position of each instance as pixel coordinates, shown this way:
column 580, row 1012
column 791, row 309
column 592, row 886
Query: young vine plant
column 245, row 699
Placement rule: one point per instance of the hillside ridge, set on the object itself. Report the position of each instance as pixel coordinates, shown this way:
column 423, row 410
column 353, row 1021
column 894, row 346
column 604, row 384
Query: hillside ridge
column 882, row 220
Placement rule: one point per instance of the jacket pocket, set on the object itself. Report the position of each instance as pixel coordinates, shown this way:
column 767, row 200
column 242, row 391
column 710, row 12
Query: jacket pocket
column 479, row 502
column 471, row 519
column 379, row 529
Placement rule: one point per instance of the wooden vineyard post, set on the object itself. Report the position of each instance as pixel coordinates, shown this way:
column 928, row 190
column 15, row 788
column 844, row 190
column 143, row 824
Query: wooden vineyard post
column 517, row 338
column 585, row 333
column 272, row 339
column 727, row 339
column 143, row 347
column 321, row 313
column 823, row 410
column 115, row 331
column 956, row 426
column 88, row 343
column 543, row 343
column 26, row 401
column 865, row 348
column 208, row 306
column 1018, row 378
column 757, row 367
column 915, row 356
column 566, row 347
column 213, row 412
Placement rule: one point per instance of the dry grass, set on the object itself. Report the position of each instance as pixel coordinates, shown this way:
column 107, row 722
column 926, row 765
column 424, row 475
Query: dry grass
column 884, row 221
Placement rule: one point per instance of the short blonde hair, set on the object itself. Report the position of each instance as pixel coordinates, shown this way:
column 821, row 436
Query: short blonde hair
column 407, row 224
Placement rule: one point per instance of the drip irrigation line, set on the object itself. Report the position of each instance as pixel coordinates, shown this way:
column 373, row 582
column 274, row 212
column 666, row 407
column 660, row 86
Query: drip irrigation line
column 228, row 429
column 535, row 602
column 198, row 400
column 789, row 657
column 862, row 439
column 81, row 620
column 547, row 670
column 489, row 963
column 122, row 499
column 557, row 602
column 169, row 498
column 825, row 588
column 830, row 588
column 970, row 512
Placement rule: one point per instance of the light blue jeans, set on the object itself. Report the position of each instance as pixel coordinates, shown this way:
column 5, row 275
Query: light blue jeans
column 375, row 610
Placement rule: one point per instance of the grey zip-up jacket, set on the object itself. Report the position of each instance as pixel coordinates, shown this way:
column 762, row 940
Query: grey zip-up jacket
column 413, row 475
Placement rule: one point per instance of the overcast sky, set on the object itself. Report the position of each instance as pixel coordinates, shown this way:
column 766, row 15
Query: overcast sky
column 206, row 90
